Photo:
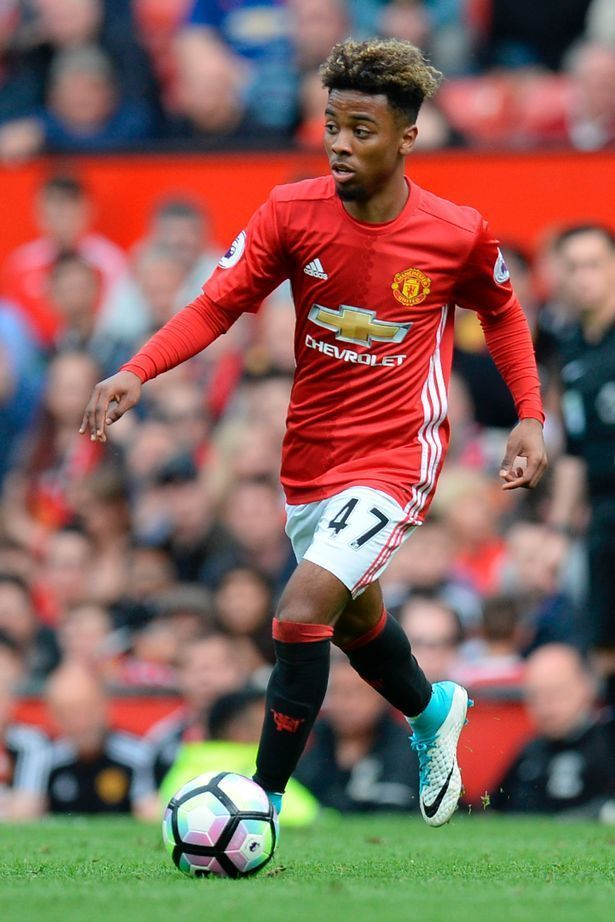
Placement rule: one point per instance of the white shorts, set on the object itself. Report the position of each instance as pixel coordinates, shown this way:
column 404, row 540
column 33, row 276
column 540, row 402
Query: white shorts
column 353, row 534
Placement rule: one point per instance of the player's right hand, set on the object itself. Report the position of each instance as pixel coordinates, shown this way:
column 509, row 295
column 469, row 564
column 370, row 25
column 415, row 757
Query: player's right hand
column 109, row 401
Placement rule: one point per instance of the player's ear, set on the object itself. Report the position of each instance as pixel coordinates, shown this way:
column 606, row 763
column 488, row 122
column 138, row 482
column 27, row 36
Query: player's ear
column 408, row 139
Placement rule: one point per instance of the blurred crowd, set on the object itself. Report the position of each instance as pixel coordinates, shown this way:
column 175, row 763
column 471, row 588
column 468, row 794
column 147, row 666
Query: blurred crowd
column 154, row 562
column 104, row 75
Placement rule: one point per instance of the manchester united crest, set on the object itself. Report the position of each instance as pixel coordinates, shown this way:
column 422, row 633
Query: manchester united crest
column 411, row 286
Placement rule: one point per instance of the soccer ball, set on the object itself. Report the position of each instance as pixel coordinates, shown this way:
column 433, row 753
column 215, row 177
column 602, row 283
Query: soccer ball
column 220, row 823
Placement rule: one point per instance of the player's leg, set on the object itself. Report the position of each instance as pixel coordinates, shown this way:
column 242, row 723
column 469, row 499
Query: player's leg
column 336, row 541
column 379, row 650
column 302, row 630
column 344, row 544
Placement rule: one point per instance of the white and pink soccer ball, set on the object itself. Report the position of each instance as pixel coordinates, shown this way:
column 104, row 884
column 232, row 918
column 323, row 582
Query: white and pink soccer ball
column 220, row 823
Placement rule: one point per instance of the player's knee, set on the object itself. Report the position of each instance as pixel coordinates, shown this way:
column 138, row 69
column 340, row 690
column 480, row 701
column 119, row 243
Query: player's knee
column 303, row 611
column 350, row 627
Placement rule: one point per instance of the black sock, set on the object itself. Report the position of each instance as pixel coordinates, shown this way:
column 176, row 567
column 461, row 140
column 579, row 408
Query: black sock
column 384, row 659
column 294, row 697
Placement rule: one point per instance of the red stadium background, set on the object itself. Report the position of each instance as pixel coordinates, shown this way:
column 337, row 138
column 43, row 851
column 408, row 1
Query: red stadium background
column 522, row 195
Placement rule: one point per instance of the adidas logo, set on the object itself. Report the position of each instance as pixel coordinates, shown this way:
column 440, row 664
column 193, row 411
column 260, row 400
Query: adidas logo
column 315, row 268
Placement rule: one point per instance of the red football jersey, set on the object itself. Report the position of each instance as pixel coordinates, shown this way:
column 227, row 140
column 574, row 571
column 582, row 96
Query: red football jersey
column 374, row 336
column 375, row 309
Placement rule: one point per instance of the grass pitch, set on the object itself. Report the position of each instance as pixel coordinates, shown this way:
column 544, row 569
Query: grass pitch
column 377, row 869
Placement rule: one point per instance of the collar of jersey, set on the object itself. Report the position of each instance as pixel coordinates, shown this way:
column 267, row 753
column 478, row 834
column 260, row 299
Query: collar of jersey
column 387, row 226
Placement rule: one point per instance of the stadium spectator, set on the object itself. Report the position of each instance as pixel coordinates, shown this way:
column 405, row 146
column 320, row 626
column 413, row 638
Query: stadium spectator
column 496, row 659
column 243, row 450
column 63, row 212
column 312, row 99
column 591, row 112
column 149, row 573
column 266, row 402
column 206, row 669
column 151, row 661
column 24, row 758
column 93, row 768
column 21, row 380
column 86, row 109
column 425, row 567
column 522, row 33
column 358, row 759
column 189, row 611
column 200, row 546
column 160, row 275
column 211, row 89
column 74, row 294
column 534, row 566
column 237, row 716
column 84, row 637
column 104, row 514
column 180, row 405
column 150, row 447
column 568, row 768
column 252, row 514
column 35, row 643
column 580, row 110
column 470, row 506
column 405, row 19
column 443, row 27
column 272, row 352
column 453, row 34
column 157, row 23
column 435, row 634
column 257, row 34
column 64, row 575
column 16, row 560
column 39, row 491
column 49, row 27
column 315, row 27
column 244, row 607
column 181, row 227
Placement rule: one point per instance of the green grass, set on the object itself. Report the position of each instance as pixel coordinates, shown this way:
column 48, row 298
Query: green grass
column 477, row 868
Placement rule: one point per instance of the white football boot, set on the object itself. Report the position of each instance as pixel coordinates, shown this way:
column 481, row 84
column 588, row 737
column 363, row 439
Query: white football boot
column 436, row 747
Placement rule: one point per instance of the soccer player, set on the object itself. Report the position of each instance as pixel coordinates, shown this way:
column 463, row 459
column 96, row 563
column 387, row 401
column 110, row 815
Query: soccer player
column 377, row 265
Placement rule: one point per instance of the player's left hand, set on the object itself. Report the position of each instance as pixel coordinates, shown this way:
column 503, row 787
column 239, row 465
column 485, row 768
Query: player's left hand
column 525, row 460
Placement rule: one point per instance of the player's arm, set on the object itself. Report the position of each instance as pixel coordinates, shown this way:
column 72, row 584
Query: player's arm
column 182, row 337
column 484, row 286
column 254, row 265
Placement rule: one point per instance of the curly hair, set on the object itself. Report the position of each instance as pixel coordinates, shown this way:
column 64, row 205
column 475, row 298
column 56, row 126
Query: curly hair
column 394, row 68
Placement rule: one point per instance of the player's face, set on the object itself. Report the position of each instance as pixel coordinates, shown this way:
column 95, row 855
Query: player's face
column 365, row 143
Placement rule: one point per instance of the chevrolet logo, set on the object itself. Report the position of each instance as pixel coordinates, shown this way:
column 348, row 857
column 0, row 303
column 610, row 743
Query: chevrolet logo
column 356, row 325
